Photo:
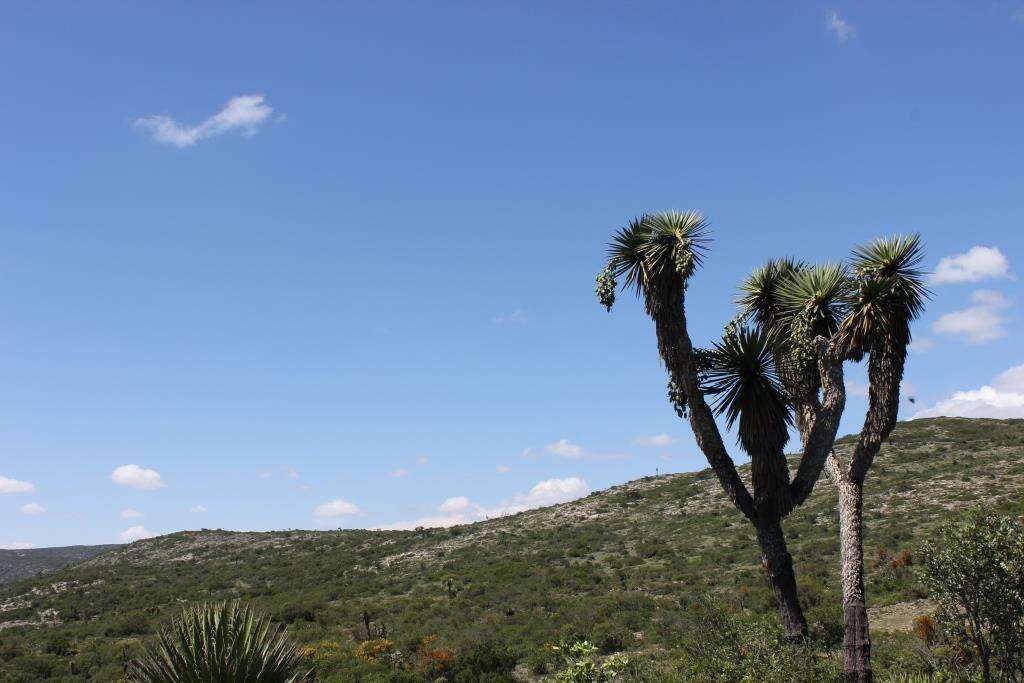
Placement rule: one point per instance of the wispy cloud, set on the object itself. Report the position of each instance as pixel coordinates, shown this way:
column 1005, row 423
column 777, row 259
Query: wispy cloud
column 400, row 472
column 502, row 469
column 839, row 26
column 198, row 509
column 33, row 509
column 137, row 478
column 660, row 440
column 243, row 114
column 978, row 324
column 976, row 264
column 516, row 316
column 563, row 448
column 922, row 345
column 15, row 486
column 130, row 513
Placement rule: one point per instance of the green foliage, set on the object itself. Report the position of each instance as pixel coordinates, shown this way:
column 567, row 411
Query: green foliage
column 974, row 568
column 606, row 287
column 583, row 666
column 741, row 376
column 616, row 567
column 719, row 643
column 759, row 297
column 656, row 249
column 888, row 293
column 224, row 643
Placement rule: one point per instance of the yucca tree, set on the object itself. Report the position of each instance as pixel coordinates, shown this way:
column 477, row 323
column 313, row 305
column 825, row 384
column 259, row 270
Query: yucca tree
column 888, row 293
column 219, row 643
column 656, row 255
column 864, row 309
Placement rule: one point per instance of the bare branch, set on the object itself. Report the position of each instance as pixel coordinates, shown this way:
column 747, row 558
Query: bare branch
column 824, row 423
column 677, row 352
column 885, row 372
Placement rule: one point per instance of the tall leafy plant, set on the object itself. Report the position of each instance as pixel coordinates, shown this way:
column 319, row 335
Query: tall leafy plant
column 748, row 375
column 219, row 643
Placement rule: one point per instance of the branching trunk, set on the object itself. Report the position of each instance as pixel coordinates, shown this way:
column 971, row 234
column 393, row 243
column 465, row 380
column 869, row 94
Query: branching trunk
column 778, row 565
column 667, row 309
column 885, row 372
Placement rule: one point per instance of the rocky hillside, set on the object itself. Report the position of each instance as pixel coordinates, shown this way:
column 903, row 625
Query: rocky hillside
column 624, row 560
column 23, row 564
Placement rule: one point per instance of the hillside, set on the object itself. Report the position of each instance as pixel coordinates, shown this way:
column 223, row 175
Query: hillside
column 23, row 564
column 624, row 562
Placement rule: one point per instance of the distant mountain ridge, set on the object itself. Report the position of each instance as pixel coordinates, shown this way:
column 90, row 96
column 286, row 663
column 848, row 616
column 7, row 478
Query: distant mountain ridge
column 26, row 563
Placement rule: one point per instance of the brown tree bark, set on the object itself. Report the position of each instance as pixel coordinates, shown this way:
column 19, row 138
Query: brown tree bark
column 778, row 565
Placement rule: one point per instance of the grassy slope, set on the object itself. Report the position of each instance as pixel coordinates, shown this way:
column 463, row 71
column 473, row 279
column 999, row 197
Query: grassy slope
column 622, row 559
column 23, row 564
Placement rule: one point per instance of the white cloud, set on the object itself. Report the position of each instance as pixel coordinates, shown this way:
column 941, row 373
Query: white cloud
column 290, row 473
column 244, row 114
column 855, row 388
column 461, row 510
column 130, row 513
column 336, row 508
column 456, row 504
column 976, row 264
column 32, row 509
column 565, row 449
column 979, row 324
column 15, row 486
column 516, row 316
column 836, row 24
column 502, row 469
column 137, row 477
column 1004, row 398
column 19, row 545
column 264, row 474
column 136, row 533
column 400, row 472
column 197, row 509
column 922, row 345
column 655, row 440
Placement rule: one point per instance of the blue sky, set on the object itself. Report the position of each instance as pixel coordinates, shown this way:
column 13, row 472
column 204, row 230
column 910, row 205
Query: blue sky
column 265, row 269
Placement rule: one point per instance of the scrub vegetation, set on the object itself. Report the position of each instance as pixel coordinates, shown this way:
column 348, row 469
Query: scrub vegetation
column 661, row 573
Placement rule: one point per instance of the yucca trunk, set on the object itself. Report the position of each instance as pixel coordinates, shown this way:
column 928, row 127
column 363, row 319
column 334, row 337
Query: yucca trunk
column 856, row 638
column 885, row 372
column 667, row 310
column 778, row 566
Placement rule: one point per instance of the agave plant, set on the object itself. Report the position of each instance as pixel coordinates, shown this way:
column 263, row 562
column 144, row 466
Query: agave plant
column 220, row 643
